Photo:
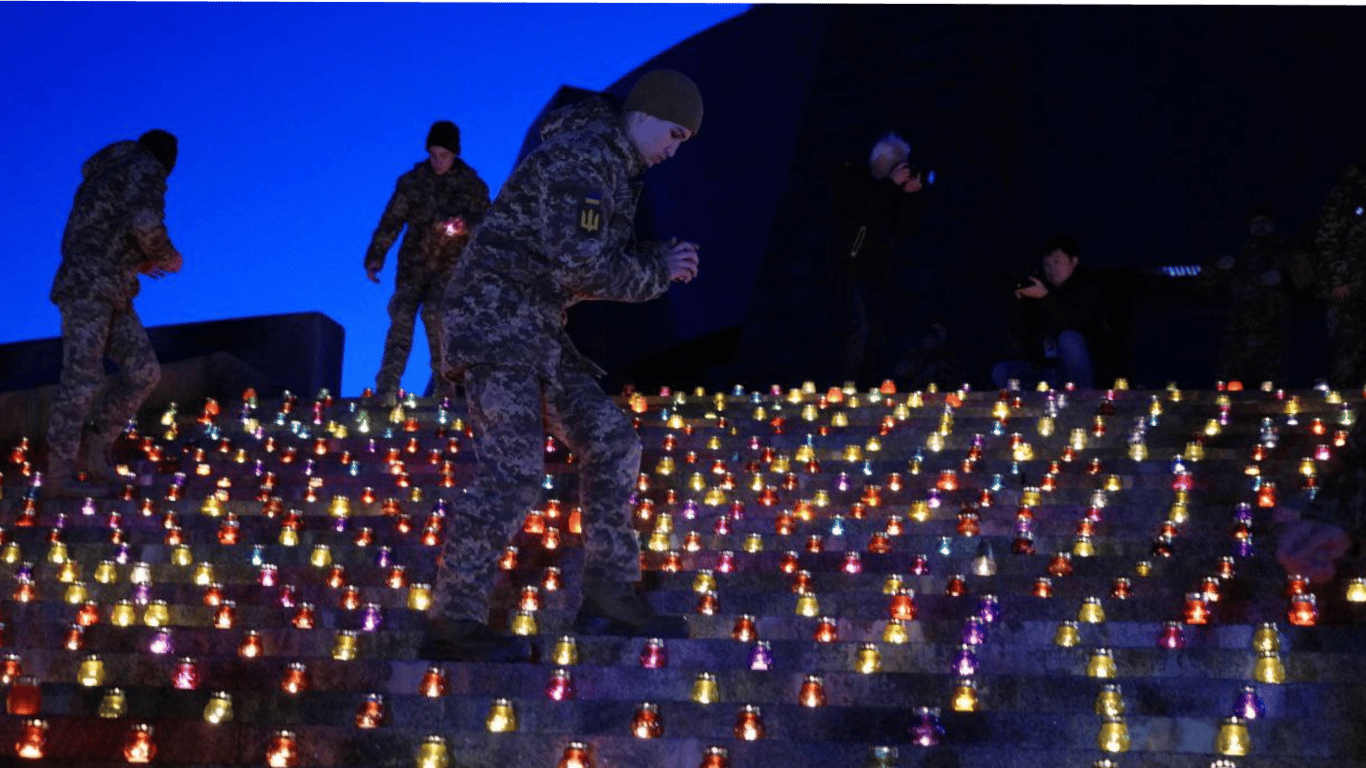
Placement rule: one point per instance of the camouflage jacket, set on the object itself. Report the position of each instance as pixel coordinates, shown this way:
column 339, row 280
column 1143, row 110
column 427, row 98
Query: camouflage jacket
column 425, row 202
column 1340, row 235
column 116, row 227
column 561, row 231
column 1259, row 286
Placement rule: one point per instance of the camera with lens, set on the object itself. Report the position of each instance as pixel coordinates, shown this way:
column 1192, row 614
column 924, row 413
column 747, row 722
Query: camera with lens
column 1025, row 278
column 927, row 175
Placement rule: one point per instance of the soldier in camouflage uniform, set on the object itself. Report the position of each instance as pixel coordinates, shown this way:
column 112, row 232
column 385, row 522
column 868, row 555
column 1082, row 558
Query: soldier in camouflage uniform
column 114, row 232
column 1257, row 332
column 440, row 200
column 561, row 231
column 1340, row 240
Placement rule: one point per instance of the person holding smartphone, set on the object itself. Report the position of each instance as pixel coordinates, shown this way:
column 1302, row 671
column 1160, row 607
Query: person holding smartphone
column 1058, row 314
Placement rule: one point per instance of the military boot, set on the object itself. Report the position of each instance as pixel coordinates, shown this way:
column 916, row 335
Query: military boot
column 97, row 459
column 62, row 483
column 386, row 399
column 616, row 608
column 449, row 390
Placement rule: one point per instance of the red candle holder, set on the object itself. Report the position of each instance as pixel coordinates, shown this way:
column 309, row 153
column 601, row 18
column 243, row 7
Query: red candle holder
column 371, row 712
column 434, row 683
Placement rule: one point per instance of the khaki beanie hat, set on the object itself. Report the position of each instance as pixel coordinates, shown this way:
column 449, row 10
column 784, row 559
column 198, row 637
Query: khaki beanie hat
column 667, row 95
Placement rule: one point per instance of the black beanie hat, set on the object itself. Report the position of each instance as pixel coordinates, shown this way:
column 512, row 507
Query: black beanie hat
column 444, row 134
column 162, row 145
column 668, row 95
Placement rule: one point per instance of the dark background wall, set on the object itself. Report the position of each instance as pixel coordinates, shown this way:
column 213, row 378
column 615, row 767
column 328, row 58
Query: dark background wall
column 1147, row 132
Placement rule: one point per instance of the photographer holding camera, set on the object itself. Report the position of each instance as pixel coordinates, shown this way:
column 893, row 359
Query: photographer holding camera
column 1057, row 318
column 873, row 211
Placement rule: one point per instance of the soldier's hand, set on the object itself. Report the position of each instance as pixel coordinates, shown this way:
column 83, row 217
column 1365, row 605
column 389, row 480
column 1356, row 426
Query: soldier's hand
column 1311, row 548
column 1035, row 290
column 1341, row 292
column 372, row 272
column 157, row 271
column 681, row 260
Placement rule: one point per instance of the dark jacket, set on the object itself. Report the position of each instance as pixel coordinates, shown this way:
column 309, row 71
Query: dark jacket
column 115, row 228
column 561, row 231
column 869, row 217
column 1077, row 305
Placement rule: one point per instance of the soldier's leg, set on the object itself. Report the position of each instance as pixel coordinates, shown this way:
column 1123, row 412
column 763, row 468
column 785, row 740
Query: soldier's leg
column 432, row 325
column 139, row 372
column 608, row 449
column 398, row 342
column 602, row 438
column 505, row 411
column 1349, row 347
column 1232, row 360
column 85, row 335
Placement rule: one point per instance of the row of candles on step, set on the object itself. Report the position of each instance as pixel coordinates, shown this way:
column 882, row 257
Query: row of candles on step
column 926, row 730
column 283, row 749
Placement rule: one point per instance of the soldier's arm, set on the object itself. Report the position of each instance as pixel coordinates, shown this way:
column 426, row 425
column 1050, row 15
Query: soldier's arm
column 476, row 200
column 592, row 248
column 390, row 225
column 1328, row 237
column 147, row 205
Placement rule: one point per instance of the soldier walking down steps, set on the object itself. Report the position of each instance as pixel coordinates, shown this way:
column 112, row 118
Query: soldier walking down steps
column 440, row 201
column 561, row 231
column 115, row 232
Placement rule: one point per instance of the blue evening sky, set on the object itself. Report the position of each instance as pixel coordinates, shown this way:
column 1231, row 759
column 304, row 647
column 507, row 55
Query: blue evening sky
column 294, row 122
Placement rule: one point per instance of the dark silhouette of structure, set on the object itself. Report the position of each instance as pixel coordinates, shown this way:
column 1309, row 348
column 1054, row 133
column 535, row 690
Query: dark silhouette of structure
column 1126, row 125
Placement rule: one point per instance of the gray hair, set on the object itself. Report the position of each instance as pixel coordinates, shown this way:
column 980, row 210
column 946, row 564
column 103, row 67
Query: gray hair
column 890, row 151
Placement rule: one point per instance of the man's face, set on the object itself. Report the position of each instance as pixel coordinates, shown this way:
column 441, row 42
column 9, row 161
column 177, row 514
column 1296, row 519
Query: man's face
column 1058, row 266
column 656, row 140
column 441, row 158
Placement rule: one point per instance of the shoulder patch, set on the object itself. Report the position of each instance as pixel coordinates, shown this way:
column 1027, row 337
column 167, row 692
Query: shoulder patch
column 590, row 213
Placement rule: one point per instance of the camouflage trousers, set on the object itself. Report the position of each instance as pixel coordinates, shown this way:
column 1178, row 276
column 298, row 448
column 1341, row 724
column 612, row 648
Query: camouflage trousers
column 92, row 330
column 410, row 294
column 1347, row 329
column 510, row 411
column 1254, row 353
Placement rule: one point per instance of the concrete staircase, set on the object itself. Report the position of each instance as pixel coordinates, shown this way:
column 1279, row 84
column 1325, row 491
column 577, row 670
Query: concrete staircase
column 1050, row 578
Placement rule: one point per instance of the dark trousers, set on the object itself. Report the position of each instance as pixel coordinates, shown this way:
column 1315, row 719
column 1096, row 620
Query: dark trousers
column 863, row 304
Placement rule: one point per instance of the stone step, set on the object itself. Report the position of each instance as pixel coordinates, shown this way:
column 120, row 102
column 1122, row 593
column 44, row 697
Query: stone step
column 792, row 738
column 1035, row 699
